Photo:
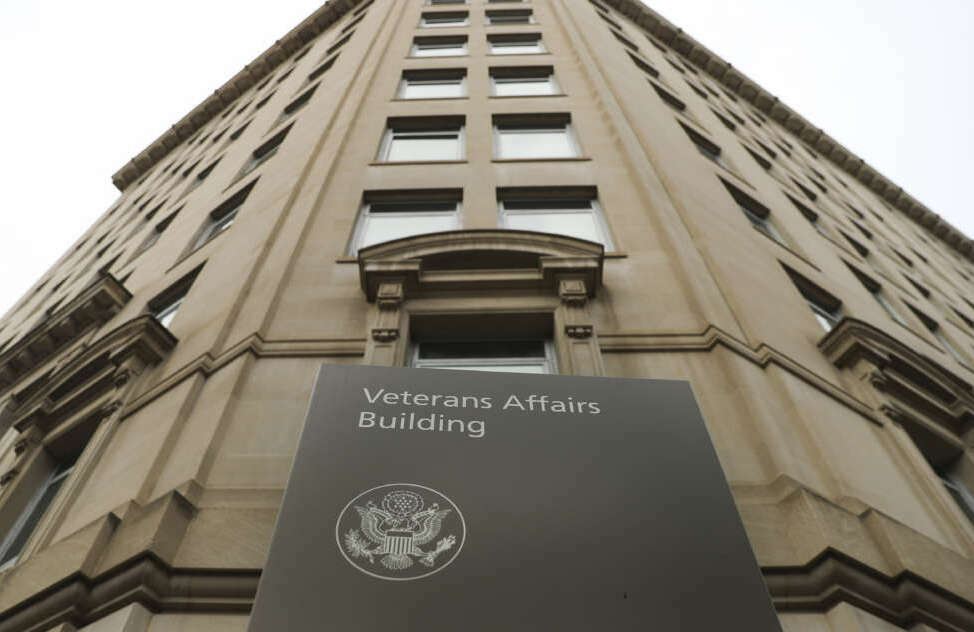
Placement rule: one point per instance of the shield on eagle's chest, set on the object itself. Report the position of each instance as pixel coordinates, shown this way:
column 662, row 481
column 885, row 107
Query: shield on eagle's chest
column 399, row 544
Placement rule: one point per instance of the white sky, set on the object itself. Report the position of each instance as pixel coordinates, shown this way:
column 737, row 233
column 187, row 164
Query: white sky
column 89, row 85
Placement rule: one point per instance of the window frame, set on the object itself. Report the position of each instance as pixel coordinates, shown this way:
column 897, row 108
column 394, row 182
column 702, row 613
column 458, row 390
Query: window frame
column 463, row 16
column 490, row 14
column 511, row 75
column 535, row 125
column 406, row 128
column 515, row 38
column 418, row 198
column 457, row 76
column 441, row 42
column 548, row 361
column 564, row 195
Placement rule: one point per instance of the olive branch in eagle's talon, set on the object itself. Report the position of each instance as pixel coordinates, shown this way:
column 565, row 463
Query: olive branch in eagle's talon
column 357, row 547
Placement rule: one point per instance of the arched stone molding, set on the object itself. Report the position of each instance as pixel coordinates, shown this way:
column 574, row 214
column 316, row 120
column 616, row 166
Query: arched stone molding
column 502, row 265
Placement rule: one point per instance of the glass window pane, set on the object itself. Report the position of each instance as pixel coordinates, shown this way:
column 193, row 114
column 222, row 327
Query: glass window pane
column 553, row 143
column 439, row 50
column 496, row 368
column 445, row 89
column 527, row 86
column 579, row 225
column 515, row 48
column 424, row 147
column 388, row 226
column 35, row 515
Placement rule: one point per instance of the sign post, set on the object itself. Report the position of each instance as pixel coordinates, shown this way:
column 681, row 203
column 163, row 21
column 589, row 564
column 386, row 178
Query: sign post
column 437, row 500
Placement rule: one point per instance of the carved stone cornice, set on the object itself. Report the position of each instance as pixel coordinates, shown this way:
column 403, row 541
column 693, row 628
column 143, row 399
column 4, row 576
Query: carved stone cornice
column 920, row 386
column 479, row 261
column 93, row 306
column 266, row 63
column 147, row 580
column 99, row 368
column 830, row 578
column 904, row 599
column 746, row 88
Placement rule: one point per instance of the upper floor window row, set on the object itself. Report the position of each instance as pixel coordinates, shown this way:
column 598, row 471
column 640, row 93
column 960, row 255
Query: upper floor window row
column 569, row 211
column 441, row 19
column 497, row 44
column 451, row 83
column 516, row 137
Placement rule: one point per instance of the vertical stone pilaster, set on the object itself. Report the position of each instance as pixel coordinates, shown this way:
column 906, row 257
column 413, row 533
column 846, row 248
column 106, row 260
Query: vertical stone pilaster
column 574, row 330
column 385, row 345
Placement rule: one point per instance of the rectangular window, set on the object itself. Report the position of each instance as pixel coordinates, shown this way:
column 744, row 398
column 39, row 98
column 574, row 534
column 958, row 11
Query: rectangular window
column 758, row 214
column 433, row 84
column 523, row 81
column 223, row 216
column 810, row 215
column 444, row 19
column 516, row 16
column 266, row 149
column 299, row 102
column 439, row 46
column 422, row 139
column 643, row 65
column 517, row 137
column 37, row 489
column 961, row 495
column 166, row 305
column 705, row 146
column 826, row 308
column 934, row 328
column 570, row 211
column 515, row 44
column 668, row 98
column 157, row 231
column 388, row 215
column 876, row 290
column 510, row 356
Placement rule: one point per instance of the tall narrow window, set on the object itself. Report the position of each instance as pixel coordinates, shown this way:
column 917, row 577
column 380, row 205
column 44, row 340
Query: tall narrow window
column 810, row 215
column 876, row 290
column 40, row 486
column 157, row 230
column 223, row 216
column 433, row 84
column 523, row 81
column 166, row 304
column 758, row 214
column 388, row 215
column 266, row 149
column 422, row 139
column 571, row 211
column 826, row 308
column 550, row 136
column 934, row 328
column 705, row 146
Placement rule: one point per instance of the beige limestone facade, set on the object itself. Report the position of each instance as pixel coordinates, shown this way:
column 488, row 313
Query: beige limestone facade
column 569, row 186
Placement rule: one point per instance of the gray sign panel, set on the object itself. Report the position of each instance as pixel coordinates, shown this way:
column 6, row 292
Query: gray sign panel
column 456, row 500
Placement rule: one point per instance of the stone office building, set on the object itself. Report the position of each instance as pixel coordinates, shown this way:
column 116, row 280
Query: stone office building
column 563, row 186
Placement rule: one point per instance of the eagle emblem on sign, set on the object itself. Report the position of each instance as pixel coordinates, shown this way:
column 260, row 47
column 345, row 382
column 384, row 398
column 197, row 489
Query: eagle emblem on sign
column 399, row 531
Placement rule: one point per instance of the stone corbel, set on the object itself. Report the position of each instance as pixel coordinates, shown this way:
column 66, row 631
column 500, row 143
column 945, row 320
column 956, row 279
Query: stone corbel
column 574, row 297
column 385, row 333
column 388, row 299
column 579, row 349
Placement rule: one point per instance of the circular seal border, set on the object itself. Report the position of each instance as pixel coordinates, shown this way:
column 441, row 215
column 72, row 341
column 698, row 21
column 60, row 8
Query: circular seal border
column 341, row 514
